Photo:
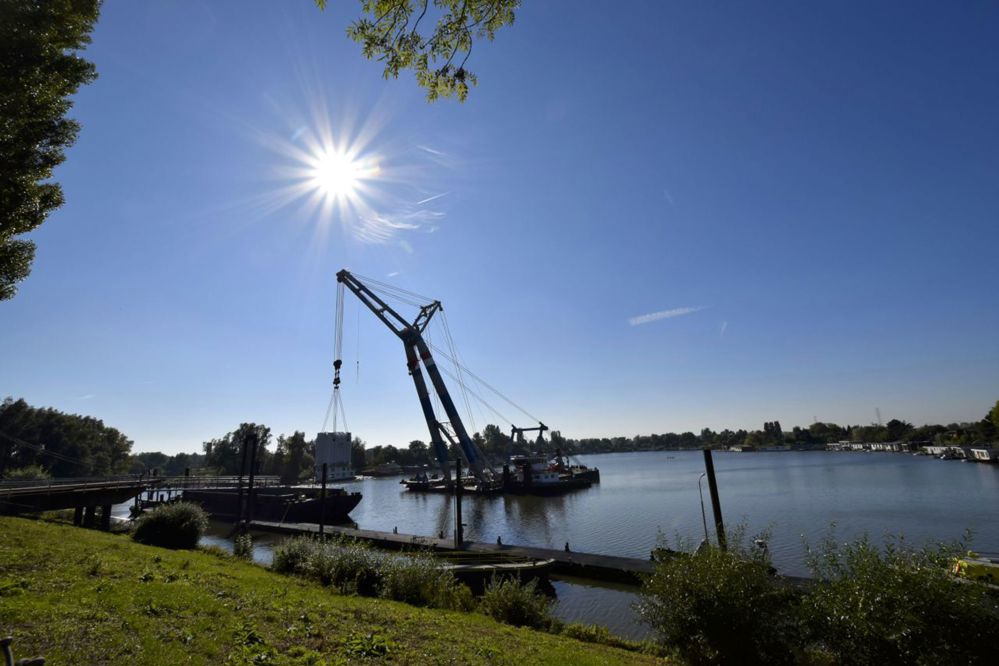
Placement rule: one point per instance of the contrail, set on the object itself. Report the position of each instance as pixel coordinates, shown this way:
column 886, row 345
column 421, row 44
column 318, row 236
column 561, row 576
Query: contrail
column 662, row 314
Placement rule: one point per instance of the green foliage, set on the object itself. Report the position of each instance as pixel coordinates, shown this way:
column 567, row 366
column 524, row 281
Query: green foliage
column 718, row 606
column 898, row 605
column 242, row 546
column 224, row 455
column 370, row 644
column 517, row 603
column 62, row 444
column 39, row 72
column 390, row 32
column 418, row 579
column 888, row 605
column 27, row 473
column 353, row 567
column 292, row 459
column 178, row 525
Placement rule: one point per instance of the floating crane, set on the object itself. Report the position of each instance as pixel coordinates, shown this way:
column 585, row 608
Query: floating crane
column 417, row 354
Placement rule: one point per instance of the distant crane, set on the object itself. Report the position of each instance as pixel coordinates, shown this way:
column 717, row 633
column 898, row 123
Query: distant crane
column 417, row 353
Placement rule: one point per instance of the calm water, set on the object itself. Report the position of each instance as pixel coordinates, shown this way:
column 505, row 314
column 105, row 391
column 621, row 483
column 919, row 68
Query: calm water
column 645, row 496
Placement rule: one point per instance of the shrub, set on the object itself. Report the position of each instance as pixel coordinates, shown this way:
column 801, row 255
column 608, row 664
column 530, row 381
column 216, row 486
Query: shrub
column 717, row 606
column 242, row 546
column 28, row 473
column 898, row 605
column 293, row 556
column 350, row 566
column 516, row 603
column 418, row 579
column 178, row 525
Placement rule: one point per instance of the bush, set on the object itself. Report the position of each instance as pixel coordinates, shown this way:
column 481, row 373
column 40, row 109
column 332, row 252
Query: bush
column 178, row 525
column 898, row 605
column 516, row 603
column 242, row 546
column 293, row 556
column 418, row 579
column 717, row 606
column 27, row 473
column 350, row 566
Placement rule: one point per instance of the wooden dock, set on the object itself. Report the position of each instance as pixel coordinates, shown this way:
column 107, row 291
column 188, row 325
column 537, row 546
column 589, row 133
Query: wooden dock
column 625, row 570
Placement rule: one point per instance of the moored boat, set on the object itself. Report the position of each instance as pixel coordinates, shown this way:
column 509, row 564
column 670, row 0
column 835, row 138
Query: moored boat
column 293, row 504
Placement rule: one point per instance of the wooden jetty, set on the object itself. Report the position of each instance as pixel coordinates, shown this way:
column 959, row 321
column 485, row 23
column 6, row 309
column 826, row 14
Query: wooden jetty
column 611, row 568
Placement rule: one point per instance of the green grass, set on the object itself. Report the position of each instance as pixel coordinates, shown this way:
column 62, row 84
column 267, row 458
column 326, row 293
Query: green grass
column 80, row 596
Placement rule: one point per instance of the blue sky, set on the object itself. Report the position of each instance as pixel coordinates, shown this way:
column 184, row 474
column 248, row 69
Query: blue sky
column 811, row 191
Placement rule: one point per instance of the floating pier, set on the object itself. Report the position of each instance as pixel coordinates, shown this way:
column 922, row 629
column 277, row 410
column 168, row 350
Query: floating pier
column 627, row 570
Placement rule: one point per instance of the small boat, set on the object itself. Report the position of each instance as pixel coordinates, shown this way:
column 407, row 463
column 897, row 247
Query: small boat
column 477, row 569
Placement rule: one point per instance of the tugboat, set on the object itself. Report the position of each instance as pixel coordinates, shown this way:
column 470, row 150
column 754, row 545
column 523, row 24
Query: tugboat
column 536, row 475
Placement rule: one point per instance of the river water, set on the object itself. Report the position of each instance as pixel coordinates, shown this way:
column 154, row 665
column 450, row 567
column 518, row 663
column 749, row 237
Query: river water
column 647, row 496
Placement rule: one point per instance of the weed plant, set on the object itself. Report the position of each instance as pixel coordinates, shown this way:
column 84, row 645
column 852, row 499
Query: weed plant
column 887, row 605
column 898, row 605
column 517, row 603
column 178, row 525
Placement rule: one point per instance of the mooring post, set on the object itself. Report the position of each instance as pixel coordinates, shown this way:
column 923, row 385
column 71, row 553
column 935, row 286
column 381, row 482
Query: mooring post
column 709, row 468
column 322, row 502
column 239, row 482
column 459, row 532
column 253, row 469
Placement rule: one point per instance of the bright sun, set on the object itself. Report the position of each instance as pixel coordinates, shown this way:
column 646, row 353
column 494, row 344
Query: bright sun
column 336, row 174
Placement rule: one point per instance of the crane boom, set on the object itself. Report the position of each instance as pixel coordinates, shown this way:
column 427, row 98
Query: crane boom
column 417, row 354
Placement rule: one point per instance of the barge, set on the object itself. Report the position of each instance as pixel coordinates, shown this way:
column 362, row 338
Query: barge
column 295, row 504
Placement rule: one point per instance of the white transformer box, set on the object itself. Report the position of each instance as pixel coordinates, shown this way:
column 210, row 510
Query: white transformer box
column 333, row 448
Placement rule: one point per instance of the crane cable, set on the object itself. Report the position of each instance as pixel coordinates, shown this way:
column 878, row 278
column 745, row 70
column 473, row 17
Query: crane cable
column 457, row 366
column 484, row 383
column 335, row 406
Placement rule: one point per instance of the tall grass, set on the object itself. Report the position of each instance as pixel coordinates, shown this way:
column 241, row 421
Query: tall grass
column 355, row 568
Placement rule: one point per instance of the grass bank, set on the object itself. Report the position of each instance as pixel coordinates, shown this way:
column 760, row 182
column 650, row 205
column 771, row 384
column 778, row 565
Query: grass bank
column 80, row 596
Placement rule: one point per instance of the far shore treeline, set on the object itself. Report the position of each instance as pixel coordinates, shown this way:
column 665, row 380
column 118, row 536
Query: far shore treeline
column 39, row 442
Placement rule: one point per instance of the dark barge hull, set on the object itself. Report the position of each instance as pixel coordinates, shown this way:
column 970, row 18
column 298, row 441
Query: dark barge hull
column 279, row 504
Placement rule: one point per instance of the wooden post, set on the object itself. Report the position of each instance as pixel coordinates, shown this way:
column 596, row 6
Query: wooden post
column 322, row 501
column 459, row 532
column 709, row 468
column 239, row 490
column 253, row 469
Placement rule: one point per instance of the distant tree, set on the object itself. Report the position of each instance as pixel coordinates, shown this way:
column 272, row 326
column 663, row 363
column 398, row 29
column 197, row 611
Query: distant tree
column 896, row 430
column 357, row 447
column 291, row 460
column 389, row 31
column 419, row 453
column 225, row 454
column 64, row 445
column 994, row 415
column 39, row 72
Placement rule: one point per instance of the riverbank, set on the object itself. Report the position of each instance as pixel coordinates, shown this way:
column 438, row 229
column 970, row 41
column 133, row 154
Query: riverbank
column 80, row 596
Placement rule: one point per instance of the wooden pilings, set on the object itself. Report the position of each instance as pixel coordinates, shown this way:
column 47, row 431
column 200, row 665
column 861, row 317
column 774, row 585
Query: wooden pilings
column 709, row 468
